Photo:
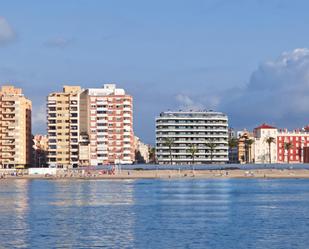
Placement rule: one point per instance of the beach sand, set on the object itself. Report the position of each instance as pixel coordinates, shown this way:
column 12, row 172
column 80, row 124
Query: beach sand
column 177, row 174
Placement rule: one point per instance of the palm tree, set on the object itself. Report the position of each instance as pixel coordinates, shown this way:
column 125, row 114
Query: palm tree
column 287, row 147
column 152, row 155
column 270, row 140
column 248, row 144
column 211, row 145
column 193, row 150
column 169, row 142
column 233, row 143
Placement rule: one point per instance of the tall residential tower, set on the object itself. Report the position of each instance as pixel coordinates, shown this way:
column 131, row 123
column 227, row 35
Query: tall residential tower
column 106, row 118
column 63, row 127
column 15, row 128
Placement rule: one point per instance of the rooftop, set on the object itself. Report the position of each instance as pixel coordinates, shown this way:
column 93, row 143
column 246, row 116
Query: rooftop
column 193, row 114
column 265, row 126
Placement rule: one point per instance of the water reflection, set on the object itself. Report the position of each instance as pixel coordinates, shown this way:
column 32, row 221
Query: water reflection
column 13, row 212
column 188, row 210
column 227, row 213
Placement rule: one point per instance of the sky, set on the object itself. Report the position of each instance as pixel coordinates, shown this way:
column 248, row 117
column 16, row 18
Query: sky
column 246, row 58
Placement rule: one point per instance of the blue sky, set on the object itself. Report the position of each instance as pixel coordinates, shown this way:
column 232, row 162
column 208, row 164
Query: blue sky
column 235, row 56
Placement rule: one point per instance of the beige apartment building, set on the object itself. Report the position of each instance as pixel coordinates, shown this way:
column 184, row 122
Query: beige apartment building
column 90, row 127
column 15, row 128
column 63, row 127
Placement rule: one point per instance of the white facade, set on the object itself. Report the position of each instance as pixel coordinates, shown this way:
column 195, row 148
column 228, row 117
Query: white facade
column 193, row 128
column 261, row 147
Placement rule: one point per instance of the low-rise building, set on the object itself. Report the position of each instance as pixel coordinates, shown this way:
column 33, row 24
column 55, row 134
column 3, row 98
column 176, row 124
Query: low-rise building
column 246, row 147
column 296, row 140
column 142, row 151
column 264, row 151
column 40, row 149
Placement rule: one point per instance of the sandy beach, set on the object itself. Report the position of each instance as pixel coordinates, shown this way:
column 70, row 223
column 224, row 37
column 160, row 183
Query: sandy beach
column 174, row 174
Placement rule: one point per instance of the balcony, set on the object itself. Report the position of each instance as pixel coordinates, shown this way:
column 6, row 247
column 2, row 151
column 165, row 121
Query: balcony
column 11, row 117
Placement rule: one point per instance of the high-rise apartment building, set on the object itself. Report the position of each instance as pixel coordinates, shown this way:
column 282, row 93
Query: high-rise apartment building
column 15, row 128
column 192, row 137
column 63, row 127
column 106, row 118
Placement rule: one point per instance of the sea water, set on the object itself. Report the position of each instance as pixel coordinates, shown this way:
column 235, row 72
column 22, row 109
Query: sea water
column 181, row 213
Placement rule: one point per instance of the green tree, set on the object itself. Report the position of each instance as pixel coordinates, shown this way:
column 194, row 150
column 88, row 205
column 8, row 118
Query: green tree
column 233, row 143
column 211, row 145
column 169, row 142
column 269, row 141
column 152, row 154
column 288, row 146
column 193, row 150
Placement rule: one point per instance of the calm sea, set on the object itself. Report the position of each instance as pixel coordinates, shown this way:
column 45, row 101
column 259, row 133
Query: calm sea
column 227, row 213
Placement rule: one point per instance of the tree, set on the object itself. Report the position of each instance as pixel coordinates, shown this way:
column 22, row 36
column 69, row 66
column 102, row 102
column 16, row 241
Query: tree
column 169, row 142
column 269, row 141
column 287, row 147
column 211, row 145
column 248, row 144
column 193, row 150
column 233, row 143
column 152, row 155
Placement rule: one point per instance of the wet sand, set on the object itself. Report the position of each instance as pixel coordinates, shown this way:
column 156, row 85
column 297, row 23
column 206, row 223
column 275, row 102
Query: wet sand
column 176, row 174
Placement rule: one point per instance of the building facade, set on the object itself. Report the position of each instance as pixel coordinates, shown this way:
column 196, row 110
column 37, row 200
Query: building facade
column 15, row 128
column 40, row 148
column 63, row 127
column 106, row 116
column 179, row 133
column 299, row 139
column 246, row 147
column 263, row 151
column 142, row 154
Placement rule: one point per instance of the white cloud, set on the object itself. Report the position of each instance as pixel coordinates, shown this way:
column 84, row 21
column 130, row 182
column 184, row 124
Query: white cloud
column 7, row 34
column 38, row 116
column 186, row 103
column 278, row 92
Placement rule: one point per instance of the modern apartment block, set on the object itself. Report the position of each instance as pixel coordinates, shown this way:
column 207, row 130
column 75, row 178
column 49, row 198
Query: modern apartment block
column 106, row 118
column 63, row 127
column 206, row 131
column 15, row 128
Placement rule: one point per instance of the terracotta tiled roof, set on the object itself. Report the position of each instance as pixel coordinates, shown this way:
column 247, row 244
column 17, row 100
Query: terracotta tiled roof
column 265, row 126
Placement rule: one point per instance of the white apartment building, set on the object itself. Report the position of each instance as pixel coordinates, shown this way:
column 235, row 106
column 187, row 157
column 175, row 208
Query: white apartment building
column 106, row 116
column 195, row 129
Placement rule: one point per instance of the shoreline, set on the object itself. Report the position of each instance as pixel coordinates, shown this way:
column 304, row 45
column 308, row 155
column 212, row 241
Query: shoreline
column 175, row 174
